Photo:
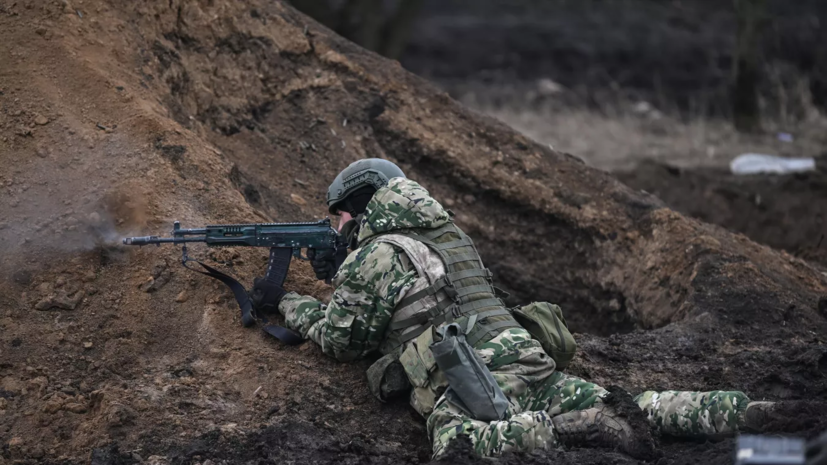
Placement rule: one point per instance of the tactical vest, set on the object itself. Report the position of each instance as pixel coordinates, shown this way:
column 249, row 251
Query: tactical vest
column 453, row 286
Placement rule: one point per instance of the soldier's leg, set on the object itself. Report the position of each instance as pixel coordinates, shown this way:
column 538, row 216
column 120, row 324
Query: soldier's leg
column 580, row 417
column 521, row 432
column 684, row 413
column 561, row 393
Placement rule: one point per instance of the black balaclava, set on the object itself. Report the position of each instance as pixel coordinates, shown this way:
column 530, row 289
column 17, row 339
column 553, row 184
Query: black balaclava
column 355, row 204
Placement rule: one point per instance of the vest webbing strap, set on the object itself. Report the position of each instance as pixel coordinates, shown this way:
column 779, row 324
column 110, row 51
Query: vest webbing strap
column 441, row 248
column 436, row 233
column 466, row 309
column 464, row 291
column 413, row 334
column 477, row 334
column 479, row 331
column 493, row 312
column 478, row 304
column 415, row 297
column 461, row 257
column 439, row 284
column 416, row 319
column 418, row 295
column 440, row 308
column 464, row 242
column 472, row 273
column 492, row 329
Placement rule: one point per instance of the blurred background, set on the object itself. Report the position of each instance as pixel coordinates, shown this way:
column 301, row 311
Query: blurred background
column 665, row 94
column 616, row 82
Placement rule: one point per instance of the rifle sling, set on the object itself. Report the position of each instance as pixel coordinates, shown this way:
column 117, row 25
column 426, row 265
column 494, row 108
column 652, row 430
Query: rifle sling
column 248, row 316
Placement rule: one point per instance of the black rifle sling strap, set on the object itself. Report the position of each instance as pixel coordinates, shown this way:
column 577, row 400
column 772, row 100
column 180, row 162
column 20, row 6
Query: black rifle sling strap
column 248, row 317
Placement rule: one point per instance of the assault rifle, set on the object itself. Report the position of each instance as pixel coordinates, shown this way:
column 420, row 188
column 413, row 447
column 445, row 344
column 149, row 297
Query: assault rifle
column 285, row 240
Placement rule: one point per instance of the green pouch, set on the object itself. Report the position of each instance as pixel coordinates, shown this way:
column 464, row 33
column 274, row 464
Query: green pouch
column 546, row 324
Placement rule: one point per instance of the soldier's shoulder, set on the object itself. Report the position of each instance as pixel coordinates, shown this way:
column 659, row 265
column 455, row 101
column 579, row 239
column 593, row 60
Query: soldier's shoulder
column 367, row 264
column 376, row 255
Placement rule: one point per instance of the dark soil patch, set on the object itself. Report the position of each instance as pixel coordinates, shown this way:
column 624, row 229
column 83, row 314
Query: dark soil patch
column 292, row 441
column 785, row 212
column 807, row 418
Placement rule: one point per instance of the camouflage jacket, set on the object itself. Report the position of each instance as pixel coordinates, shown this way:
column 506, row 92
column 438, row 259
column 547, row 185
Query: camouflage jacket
column 372, row 280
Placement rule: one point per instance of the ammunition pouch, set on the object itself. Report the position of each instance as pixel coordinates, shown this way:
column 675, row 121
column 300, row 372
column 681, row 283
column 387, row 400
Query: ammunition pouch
column 428, row 382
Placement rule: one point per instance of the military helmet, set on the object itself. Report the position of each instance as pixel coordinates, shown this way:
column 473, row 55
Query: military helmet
column 373, row 172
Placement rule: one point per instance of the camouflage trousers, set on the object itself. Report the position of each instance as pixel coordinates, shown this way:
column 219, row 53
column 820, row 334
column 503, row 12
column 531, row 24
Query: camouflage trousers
column 537, row 393
column 695, row 414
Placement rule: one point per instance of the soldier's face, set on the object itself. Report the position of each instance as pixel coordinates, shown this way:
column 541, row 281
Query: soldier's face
column 344, row 217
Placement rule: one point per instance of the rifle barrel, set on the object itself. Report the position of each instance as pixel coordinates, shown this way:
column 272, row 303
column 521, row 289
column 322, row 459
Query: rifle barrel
column 147, row 240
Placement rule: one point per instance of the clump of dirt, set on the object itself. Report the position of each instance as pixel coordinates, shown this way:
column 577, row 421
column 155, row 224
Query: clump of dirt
column 799, row 417
column 148, row 112
column 644, row 445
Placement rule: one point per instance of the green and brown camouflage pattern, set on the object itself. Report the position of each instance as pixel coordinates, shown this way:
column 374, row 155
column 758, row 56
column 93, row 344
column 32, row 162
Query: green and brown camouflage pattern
column 521, row 432
column 536, row 393
column 683, row 413
column 371, row 281
column 377, row 276
column 536, row 397
column 368, row 285
column 402, row 204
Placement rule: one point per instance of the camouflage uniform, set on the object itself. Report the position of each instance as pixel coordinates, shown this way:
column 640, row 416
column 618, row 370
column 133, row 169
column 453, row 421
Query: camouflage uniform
column 378, row 275
column 686, row 413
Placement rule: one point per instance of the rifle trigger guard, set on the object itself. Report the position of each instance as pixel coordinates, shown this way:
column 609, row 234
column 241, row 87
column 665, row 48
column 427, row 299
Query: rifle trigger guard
column 297, row 252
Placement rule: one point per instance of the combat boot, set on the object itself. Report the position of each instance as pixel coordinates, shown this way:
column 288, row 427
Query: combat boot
column 757, row 415
column 602, row 425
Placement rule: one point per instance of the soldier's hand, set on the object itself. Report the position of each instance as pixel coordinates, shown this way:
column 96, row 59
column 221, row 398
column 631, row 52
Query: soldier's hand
column 266, row 295
column 817, row 450
column 324, row 263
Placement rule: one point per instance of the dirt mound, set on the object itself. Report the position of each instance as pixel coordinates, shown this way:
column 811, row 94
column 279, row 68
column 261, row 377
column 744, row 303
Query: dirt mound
column 784, row 212
column 118, row 118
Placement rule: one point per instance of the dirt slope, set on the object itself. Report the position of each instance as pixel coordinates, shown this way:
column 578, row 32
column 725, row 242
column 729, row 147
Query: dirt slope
column 784, row 212
column 118, row 117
